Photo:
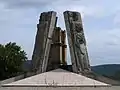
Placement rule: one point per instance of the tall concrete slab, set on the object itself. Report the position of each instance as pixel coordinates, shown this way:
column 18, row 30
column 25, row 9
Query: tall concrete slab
column 54, row 56
column 43, row 41
column 63, row 47
column 76, row 41
column 57, row 56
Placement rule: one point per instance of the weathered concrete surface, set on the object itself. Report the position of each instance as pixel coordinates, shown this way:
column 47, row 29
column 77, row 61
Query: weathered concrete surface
column 43, row 41
column 57, row 55
column 77, row 42
column 58, row 77
column 57, row 80
column 10, row 80
column 16, row 78
column 61, row 88
column 63, row 48
column 54, row 56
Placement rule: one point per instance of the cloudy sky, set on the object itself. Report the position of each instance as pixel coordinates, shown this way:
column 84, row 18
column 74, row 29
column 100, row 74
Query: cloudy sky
column 101, row 21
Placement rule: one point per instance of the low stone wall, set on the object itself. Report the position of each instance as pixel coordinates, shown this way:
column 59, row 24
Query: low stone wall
column 12, row 79
column 62, row 88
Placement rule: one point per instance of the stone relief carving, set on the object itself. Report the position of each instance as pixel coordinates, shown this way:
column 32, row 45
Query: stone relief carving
column 73, row 16
column 80, row 49
column 78, row 27
column 78, row 42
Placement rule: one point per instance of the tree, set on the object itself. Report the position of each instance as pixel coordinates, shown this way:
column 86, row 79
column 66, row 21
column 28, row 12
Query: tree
column 11, row 59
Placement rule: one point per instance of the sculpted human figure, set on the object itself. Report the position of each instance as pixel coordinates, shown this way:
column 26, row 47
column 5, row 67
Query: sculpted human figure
column 80, row 49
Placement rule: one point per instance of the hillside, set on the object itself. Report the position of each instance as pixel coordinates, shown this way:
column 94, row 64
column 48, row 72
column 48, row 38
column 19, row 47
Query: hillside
column 109, row 70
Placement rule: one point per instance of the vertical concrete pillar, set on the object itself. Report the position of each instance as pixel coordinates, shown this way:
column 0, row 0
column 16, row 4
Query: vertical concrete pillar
column 77, row 42
column 43, row 41
column 54, row 56
column 64, row 46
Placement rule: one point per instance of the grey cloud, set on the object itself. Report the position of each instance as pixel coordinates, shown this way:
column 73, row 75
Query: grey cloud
column 41, row 4
column 26, row 3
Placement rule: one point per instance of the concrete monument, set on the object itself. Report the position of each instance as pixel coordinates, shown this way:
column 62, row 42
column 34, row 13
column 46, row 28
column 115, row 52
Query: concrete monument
column 77, row 42
column 43, row 41
column 50, row 52
column 49, row 49
column 57, row 51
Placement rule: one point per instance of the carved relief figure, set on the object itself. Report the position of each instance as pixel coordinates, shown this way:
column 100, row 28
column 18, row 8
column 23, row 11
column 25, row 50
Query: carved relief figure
column 81, row 50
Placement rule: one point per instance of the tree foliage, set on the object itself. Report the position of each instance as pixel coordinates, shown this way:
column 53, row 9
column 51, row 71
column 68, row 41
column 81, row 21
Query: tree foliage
column 11, row 60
